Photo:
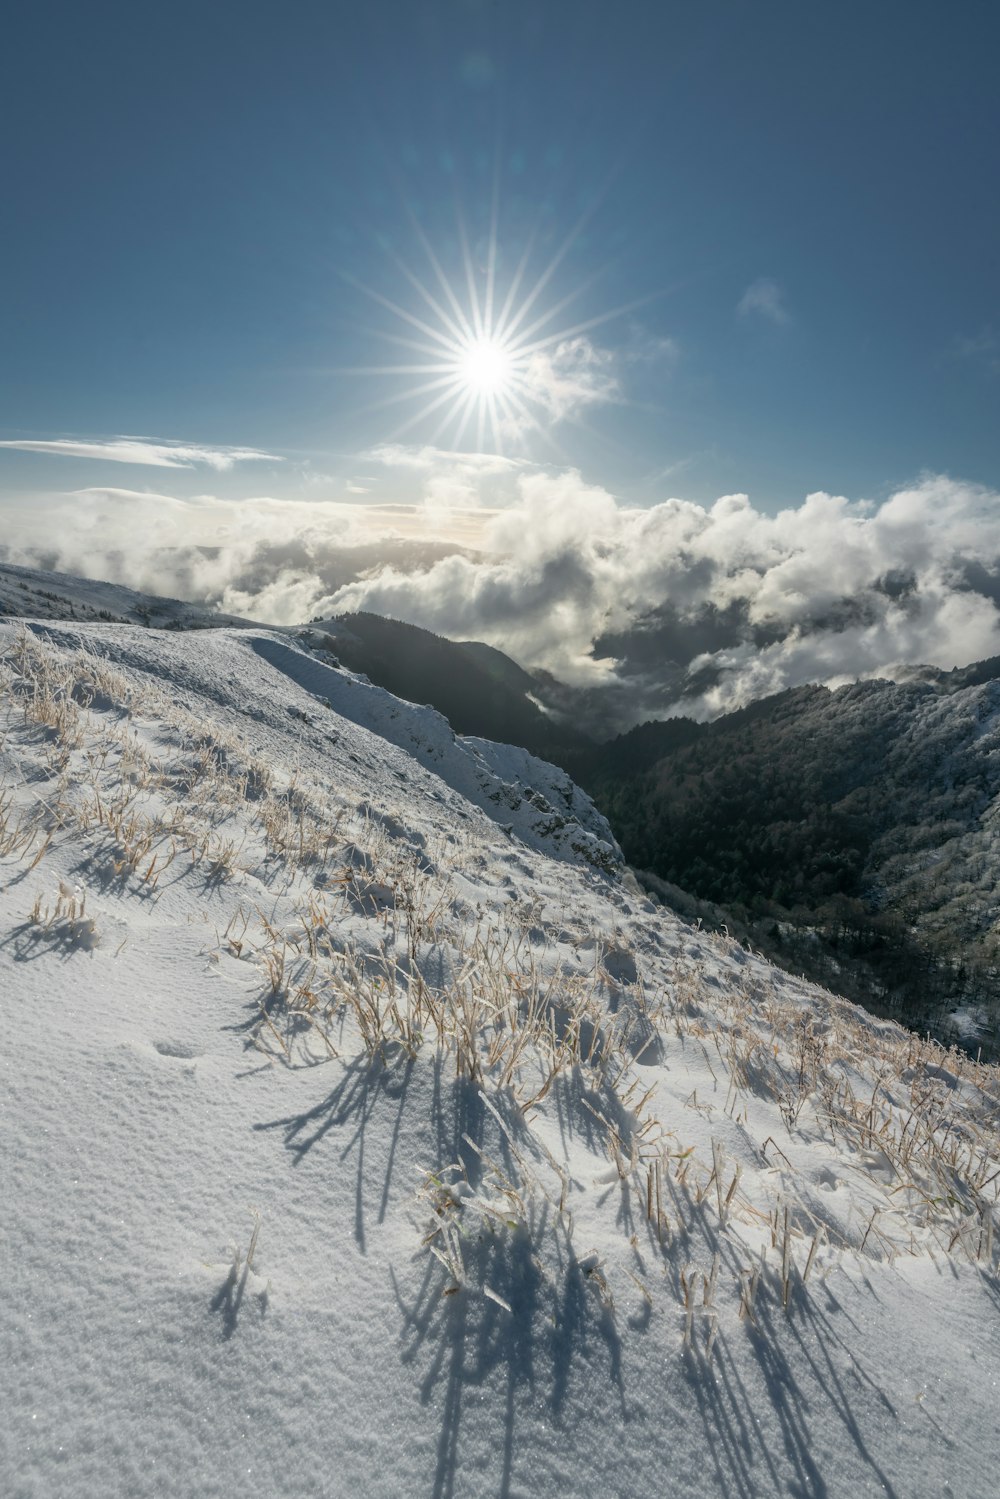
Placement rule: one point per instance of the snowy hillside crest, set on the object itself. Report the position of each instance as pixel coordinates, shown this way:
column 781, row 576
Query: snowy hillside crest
column 356, row 1099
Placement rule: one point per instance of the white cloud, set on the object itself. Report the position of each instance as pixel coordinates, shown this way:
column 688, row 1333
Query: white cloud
column 452, row 481
column 141, row 450
column 273, row 559
column 766, row 299
column 828, row 590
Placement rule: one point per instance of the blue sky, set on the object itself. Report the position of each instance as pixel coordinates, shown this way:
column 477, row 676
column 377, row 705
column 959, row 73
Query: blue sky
column 800, row 198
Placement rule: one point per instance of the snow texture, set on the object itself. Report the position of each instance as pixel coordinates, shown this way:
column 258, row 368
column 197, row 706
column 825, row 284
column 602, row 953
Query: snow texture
column 366, row 1132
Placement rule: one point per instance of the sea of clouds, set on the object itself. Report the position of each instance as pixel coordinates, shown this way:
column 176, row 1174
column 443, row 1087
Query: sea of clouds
column 676, row 607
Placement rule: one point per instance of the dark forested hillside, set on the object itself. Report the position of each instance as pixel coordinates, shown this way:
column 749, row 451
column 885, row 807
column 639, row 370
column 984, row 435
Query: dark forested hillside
column 854, row 835
column 478, row 689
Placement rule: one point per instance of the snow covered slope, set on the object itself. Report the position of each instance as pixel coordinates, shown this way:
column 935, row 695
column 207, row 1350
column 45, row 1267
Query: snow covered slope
column 530, row 798
column 363, row 1134
column 31, row 592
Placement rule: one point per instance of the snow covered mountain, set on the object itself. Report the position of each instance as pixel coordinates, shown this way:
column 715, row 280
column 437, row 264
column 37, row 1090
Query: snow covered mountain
column 34, row 593
column 366, row 1131
column 478, row 689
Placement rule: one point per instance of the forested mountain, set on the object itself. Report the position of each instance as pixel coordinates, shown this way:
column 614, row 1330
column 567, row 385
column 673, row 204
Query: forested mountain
column 851, row 834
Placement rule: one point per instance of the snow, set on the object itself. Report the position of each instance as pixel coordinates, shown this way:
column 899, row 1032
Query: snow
column 531, row 798
column 38, row 593
column 365, row 1131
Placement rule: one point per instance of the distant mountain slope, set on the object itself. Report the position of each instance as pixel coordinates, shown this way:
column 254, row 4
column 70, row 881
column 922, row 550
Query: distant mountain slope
column 855, row 834
column 477, row 688
column 32, row 593
column 527, row 796
column 499, row 667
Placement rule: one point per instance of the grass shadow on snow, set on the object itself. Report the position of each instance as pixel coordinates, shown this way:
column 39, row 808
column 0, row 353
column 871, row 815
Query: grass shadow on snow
column 765, row 1435
column 516, row 1333
column 228, row 1299
column 364, row 1085
column 65, row 937
column 522, row 1353
column 527, row 1314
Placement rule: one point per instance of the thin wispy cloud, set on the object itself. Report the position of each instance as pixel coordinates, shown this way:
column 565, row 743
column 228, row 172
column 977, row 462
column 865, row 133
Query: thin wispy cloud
column 427, row 458
column 765, row 298
column 141, row 450
column 565, row 380
column 646, row 348
column 982, row 348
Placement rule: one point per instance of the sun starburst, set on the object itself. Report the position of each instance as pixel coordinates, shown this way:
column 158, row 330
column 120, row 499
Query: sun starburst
column 493, row 372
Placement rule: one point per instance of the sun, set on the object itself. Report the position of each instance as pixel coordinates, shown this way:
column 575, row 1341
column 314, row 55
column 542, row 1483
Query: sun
column 486, row 352
column 487, row 367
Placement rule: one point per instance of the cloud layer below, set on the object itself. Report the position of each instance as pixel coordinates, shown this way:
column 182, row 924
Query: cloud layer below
column 673, row 608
